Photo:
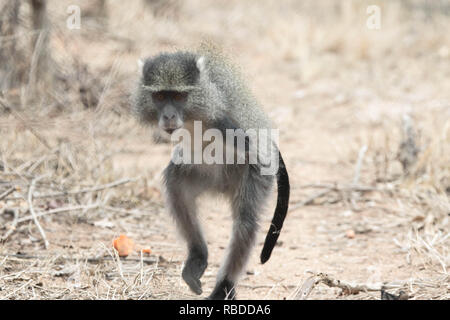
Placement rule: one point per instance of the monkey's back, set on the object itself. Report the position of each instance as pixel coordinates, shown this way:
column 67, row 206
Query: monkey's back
column 239, row 102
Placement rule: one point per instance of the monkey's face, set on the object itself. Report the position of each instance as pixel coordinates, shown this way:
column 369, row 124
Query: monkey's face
column 170, row 91
column 170, row 106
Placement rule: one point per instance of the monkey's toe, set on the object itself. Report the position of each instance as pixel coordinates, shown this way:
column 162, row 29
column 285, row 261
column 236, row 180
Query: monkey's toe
column 192, row 272
column 224, row 290
column 194, row 284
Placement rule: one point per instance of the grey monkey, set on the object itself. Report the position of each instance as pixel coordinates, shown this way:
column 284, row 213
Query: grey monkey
column 177, row 89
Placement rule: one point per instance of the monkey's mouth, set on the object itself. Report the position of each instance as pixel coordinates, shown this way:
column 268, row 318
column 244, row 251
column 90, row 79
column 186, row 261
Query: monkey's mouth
column 170, row 130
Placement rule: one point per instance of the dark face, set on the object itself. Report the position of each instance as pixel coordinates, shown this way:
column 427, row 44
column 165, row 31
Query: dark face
column 170, row 106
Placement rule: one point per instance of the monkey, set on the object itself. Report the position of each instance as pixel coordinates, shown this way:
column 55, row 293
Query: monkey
column 175, row 90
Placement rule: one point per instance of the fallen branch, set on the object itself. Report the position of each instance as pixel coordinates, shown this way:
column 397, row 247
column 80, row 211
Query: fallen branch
column 347, row 287
column 151, row 260
column 354, row 288
column 87, row 190
column 306, row 289
column 58, row 210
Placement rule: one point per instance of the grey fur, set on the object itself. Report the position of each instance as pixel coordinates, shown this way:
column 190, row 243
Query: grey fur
column 218, row 97
column 218, row 91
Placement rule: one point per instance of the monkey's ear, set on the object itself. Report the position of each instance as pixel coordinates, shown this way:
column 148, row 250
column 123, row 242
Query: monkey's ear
column 201, row 66
column 140, row 64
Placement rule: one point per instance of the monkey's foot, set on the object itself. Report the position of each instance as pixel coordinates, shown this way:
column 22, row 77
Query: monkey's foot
column 224, row 290
column 193, row 271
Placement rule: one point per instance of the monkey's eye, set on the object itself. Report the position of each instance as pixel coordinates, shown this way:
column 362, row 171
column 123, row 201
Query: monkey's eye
column 159, row 96
column 180, row 96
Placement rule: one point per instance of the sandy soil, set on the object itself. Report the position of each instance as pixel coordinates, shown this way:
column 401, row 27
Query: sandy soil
column 330, row 87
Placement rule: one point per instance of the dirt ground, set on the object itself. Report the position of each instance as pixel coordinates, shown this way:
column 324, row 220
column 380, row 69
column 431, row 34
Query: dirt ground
column 341, row 95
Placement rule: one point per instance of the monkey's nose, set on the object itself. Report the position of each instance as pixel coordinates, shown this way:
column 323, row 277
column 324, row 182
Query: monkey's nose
column 169, row 117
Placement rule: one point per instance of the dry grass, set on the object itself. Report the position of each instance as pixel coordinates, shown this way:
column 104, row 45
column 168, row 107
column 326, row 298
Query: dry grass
column 330, row 84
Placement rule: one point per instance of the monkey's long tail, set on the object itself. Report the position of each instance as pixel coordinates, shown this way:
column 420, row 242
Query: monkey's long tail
column 280, row 211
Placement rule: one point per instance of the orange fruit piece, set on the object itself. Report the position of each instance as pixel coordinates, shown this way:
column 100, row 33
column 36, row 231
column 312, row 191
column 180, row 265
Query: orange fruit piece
column 350, row 234
column 123, row 245
column 147, row 250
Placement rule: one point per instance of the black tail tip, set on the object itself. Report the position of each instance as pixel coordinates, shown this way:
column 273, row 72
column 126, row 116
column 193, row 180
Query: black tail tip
column 264, row 257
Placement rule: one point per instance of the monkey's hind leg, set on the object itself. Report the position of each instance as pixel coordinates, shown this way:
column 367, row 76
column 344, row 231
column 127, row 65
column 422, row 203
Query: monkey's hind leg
column 180, row 198
column 247, row 204
column 243, row 237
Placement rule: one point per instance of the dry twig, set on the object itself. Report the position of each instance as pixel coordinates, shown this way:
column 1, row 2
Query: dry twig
column 7, row 193
column 58, row 210
column 87, row 190
column 150, row 260
column 33, row 213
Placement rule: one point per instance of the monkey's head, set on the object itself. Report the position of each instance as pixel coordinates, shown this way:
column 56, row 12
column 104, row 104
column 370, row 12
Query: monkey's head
column 168, row 92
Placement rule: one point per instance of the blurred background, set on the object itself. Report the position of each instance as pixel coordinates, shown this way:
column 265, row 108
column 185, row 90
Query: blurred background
column 360, row 91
